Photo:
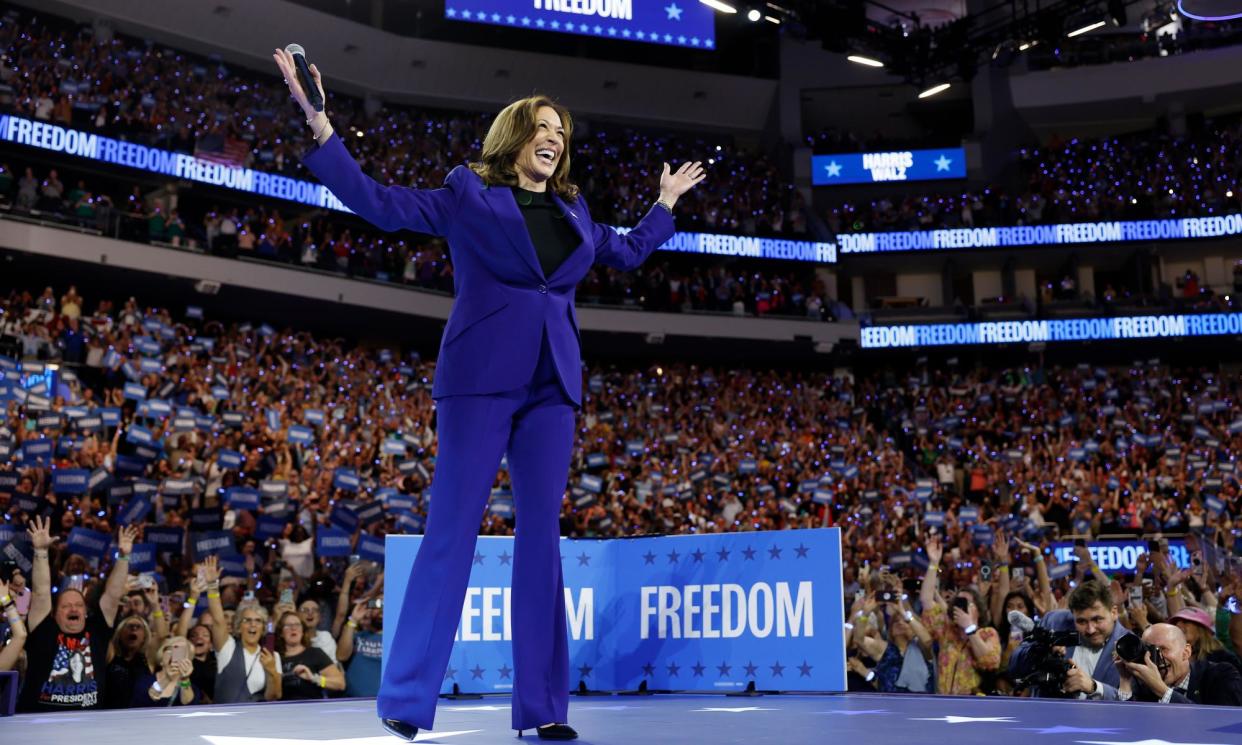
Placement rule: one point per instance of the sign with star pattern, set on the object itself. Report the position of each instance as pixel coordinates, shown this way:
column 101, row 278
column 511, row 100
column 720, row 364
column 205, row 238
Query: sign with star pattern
column 694, row 612
column 681, row 23
column 871, row 168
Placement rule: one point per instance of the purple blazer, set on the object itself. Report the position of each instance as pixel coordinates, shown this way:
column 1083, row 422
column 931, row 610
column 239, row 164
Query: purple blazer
column 504, row 302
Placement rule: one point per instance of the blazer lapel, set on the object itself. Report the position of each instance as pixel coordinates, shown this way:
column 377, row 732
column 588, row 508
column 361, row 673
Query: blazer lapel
column 574, row 215
column 504, row 207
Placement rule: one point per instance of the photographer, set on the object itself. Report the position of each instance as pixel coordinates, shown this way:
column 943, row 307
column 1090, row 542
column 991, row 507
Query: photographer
column 1168, row 674
column 969, row 648
column 1090, row 672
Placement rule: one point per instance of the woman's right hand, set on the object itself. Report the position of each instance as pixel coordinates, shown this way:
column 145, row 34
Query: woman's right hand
column 289, row 71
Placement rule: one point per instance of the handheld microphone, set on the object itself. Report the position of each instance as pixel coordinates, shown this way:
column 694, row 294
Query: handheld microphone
column 305, row 76
column 1021, row 621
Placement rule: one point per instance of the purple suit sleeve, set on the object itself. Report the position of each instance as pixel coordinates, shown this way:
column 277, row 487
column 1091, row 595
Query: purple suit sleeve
column 628, row 252
column 388, row 208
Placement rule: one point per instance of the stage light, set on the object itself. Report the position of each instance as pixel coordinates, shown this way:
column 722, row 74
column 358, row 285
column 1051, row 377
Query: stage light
column 720, row 6
column 772, row 19
column 935, row 89
column 754, row 15
column 1084, row 29
column 1027, row 45
column 858, row 59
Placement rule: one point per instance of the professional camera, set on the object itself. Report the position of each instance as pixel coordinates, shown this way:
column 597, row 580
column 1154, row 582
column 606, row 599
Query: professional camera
column 1132, row 649
column 1049, row 668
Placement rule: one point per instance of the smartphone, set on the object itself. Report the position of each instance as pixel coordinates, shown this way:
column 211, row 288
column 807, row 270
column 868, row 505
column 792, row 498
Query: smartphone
column 269, row 642
column 179, row 653
column 1136, row 595
column 286, row 595
column 146, row 580
column 1017, row 574
column 249, row 596
column 1196, row 558
column 202, row 574
column 985, row 572
column 375, row 603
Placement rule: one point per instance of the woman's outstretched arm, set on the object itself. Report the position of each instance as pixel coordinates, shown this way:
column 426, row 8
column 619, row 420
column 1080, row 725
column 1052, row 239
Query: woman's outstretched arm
column 389, row 208
column 629, row 251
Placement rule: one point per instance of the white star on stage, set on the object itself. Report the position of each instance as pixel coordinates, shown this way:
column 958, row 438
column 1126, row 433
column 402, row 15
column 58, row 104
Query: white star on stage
column 734, row 710
column 942, row 163
column 674, row 12
column 195, row 714
column 854, row 712
column 384, row 740
column 450, row 12
column 495, row 18
column 834, row 169
column 1145, row 742
column 510, row 19
column 964, row 720
column 476, row 708
column 1061, row 729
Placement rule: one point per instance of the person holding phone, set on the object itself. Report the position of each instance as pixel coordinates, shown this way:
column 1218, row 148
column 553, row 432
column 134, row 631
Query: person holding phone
column 508, row 381
column 308, row 672
column 970, row 648
column 245, row 670
column 171, row 683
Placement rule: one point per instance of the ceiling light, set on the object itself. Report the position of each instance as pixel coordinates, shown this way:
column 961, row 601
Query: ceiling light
column 1084, row 29
column 934, row 90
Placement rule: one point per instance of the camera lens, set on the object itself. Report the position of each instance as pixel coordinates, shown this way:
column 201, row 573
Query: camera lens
column 1130, row 648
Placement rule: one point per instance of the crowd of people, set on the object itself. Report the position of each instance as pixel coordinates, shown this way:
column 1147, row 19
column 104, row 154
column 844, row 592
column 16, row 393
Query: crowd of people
column 181, row 427
column 61, row 72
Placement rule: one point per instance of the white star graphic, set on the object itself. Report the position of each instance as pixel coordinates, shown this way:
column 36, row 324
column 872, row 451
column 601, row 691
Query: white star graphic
column 465, row 14
column 625, row 32
column 834, row 169
column 854, row 712
column 1145, row 742
column 384, row 740
column 612, row 31
column 495, row 18
column 510, row 19
column 964, row 720
column 734, row 710
column 450, row 12
column 525, row 21
column 674, row 12
column 942, row 163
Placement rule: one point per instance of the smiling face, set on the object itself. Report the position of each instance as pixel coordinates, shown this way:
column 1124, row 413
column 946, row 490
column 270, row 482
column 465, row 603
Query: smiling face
column 537, row 160
column 252, row 626
column 291, row 631
column 71, row 612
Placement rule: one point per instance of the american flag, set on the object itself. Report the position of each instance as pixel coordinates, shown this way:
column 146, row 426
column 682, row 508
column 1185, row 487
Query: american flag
column 218, row 148
column 66, row 650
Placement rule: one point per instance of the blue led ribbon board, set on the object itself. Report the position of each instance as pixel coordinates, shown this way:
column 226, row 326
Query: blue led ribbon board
column 681, row 23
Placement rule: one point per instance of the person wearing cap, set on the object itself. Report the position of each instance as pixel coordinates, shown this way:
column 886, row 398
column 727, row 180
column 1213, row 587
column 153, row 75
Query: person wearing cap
column 1173, row 676
column 1197, row 625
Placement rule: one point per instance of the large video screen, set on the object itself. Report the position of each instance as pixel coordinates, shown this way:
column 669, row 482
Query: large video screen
column 681, row 23
column 874, row 168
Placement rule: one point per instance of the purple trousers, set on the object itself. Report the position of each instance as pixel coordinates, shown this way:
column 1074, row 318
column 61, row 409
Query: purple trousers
column 534, row 424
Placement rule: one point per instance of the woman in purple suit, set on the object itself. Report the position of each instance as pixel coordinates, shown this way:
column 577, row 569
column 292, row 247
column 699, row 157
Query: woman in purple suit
column 508, row 380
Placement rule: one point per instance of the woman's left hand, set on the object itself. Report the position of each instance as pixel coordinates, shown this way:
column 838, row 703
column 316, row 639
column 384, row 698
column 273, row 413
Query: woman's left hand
column 675, row 183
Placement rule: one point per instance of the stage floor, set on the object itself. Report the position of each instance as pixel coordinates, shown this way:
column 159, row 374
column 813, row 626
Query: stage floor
column 660, row 720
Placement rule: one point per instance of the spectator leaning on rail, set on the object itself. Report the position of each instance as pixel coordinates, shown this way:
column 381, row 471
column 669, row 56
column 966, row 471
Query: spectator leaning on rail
column 1176, row 678
column 67, row 648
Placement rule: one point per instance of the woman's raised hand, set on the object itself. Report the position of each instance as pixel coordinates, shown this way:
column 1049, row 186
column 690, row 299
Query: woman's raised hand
column 289, row 71
column 675, row 183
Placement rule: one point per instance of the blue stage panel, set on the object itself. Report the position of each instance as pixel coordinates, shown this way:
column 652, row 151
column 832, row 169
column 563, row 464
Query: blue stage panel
column 701, row 613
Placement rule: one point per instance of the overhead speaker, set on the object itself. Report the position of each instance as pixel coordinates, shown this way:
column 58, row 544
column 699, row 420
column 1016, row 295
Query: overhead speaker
column 1210, row 10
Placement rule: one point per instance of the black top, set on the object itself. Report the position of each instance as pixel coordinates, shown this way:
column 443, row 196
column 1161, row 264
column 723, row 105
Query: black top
column 550, row 231
column 66, row 671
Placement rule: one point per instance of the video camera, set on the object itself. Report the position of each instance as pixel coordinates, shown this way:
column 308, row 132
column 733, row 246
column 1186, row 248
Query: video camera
column 1049, row 668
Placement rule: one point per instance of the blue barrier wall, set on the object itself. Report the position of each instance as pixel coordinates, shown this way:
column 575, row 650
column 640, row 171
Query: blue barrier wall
column 698, row 612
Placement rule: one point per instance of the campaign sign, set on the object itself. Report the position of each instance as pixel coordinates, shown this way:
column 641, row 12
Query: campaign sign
column 88, row 543
column 684, row 23
column 1120, row 556
column 165, row 539
column 698, row 612
column 142, row 558
column 70, row 481
column 333, row 542
column 871, row 168
column 210, row 543
column 135, row 510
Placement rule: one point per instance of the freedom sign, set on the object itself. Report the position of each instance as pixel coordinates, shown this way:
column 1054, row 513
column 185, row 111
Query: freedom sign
column 696, row 612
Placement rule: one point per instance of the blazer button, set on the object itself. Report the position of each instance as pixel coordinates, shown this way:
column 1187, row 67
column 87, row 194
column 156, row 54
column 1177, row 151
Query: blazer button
column 543, row 289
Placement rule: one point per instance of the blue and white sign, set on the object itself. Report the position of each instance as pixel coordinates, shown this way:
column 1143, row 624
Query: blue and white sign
column 1078, row 329
column 1120, row 556
column 874, row 168
column 707, row 612
column 684, row 23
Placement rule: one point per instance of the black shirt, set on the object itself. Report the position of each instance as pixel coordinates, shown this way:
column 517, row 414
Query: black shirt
column 550, row 231
column 294, row 688
column 65, row 671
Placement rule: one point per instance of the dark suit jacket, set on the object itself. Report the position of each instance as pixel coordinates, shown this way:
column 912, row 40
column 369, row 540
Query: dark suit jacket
column 1063, row 620
column 1211, row 683
column 504, row 302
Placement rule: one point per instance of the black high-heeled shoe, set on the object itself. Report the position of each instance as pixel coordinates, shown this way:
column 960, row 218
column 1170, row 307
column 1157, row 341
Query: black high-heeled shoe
column 555, row 732
column 398, row 728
